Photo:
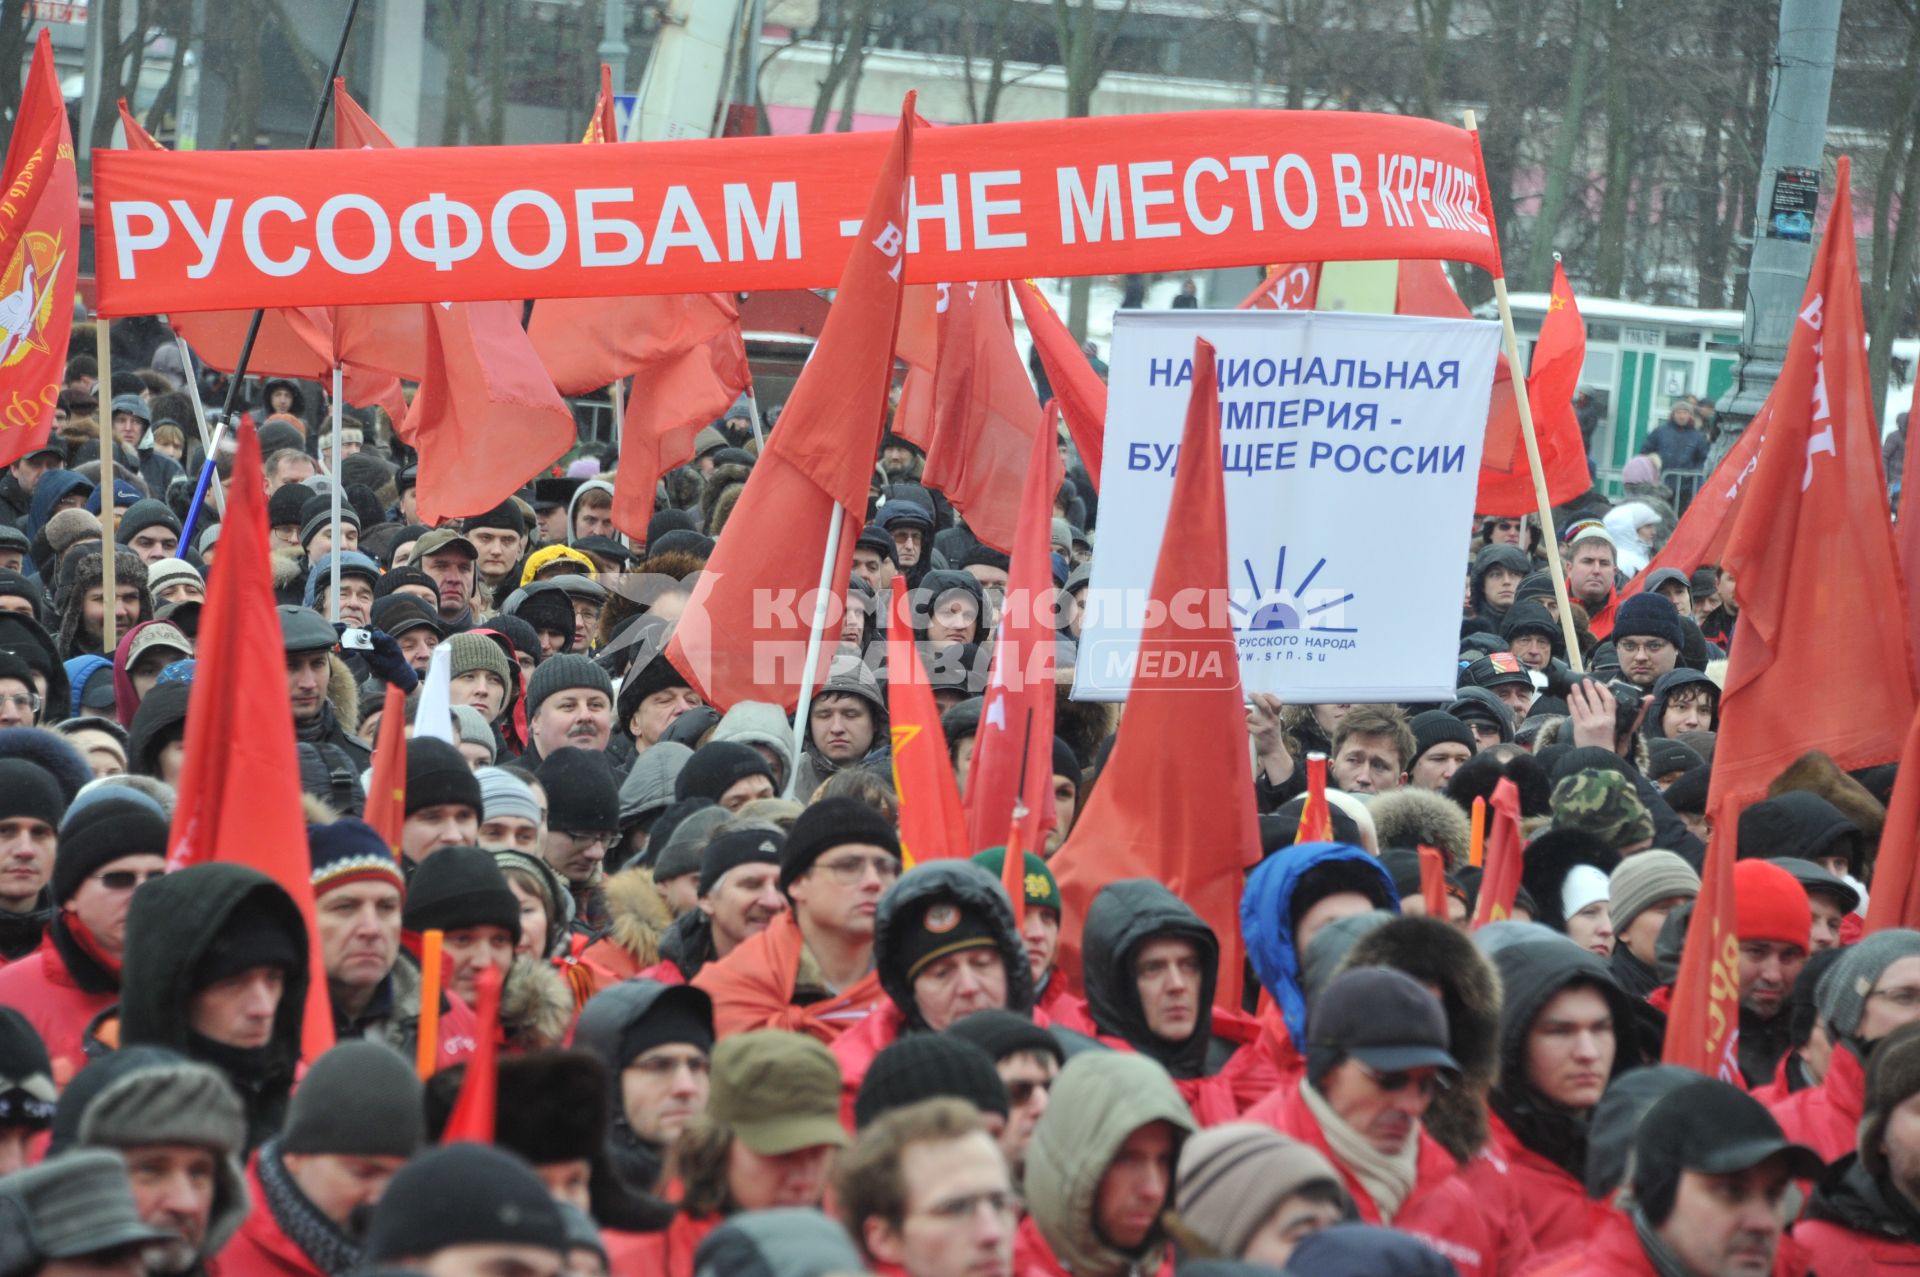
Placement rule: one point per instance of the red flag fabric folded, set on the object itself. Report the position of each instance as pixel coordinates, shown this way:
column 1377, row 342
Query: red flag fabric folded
column 386, row 808
column 1016, row 721
column 1907, row 532
column 1505, row 853
column 1198, row 837
column 1895, row 901
column 1316, row 817
column 1700, row 537
column 933, row 825
column 1703, row 1021
column 486, row 415
column 475, row 1109
column 1813, row 542
column 239, row 792
column 1077, row 388
column 1433, row 882
column 744, row 633
column 39, row 259
column 603, row 125
column 1294, row 286
column 1506, row 482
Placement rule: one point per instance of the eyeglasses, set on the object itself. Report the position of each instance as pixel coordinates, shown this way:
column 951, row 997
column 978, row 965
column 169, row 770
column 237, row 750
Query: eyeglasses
column 1018, row 1093
column 854, row 869
column 26, row 702
column 967, row 1205
column 1430, row 1084
column 583, row 839
column 126, row 879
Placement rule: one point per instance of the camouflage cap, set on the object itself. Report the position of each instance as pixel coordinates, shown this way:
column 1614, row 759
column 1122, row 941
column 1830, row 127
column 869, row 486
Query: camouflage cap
column 1604, row 804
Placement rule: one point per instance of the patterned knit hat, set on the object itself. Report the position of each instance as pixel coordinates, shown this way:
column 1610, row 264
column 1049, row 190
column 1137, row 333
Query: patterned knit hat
column 350, row 851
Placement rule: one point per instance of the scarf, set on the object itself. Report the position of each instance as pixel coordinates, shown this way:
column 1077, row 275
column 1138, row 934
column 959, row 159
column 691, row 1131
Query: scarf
column 318, row 1237
column 92, row 970
column 1659, row 1254
column 21, row 933
column 1389, row 1180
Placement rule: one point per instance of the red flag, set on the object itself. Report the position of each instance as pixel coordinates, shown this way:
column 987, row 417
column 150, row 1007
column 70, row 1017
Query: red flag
column 1907, row 530
column 744, row 633
column 486, row 415
column 1316, row 817
column 1896, row 884
column 1016, row 722
column 1506, row 482
column 603, row 125
column 1199, row 837
column 1814, row 542
column 1295, row 286
column 40, row 246
column 933, row 825
column 386, row 807
column 1077, row 388
column 239, row 792
column 1433, row 883
column 475, row 1109
column 1500, row 879
column 983, row 412
column 1701, row 535
column 1703, row 1023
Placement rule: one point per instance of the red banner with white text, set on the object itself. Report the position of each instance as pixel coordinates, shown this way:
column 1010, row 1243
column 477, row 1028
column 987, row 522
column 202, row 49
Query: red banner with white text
column 225, row 230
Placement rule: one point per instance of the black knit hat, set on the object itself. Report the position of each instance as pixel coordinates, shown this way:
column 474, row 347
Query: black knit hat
column 506, row 516
column 437, row 775
column 317, row 513
column 562, row 672
column 938, row 928
column 581, row 794
column 926, row 1066
column 830, row 823
column 1435, row 727
column 716, row 767
column 459, row 887
column 360, row 1099
column 27, row 1094
column 101, row 831
column 1000, row 1033
column 29, row 791
column 398, row 613
column 741, row 847
column 548, row 609
column 1333, row 877
column 284, row 506
column 463, row 1195
column 643, row 679
column 681, row 1014
column 247, row 940
column 1647, row 615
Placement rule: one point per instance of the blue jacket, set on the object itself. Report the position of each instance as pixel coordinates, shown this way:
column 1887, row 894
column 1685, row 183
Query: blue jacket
column 54, row 485
column 1266, row 920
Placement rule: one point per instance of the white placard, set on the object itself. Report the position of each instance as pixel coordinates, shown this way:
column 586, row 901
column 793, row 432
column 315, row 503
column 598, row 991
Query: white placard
column 1352, row 452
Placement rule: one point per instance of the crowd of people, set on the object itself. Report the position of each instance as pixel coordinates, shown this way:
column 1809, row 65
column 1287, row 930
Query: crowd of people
column 741, row 1032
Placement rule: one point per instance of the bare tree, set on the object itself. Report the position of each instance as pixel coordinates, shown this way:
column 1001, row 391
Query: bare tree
column 1086, row 35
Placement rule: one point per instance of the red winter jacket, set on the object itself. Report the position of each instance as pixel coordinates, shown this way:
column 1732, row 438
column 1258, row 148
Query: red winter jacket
column 1846, row 1253
column 664, row 971
column 1441, row 1210
column 262, row 1248
column 1032, row 1257
column 1277, row 1043
column 1554, row 1208
column 856, row 1048
column 1062, row 1005
column 1826, row 1118
column 40, row 987
column 668, row 1253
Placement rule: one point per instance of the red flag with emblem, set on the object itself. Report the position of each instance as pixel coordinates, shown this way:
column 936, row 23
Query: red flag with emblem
column 933, row 825
column 743, row 635
column 39, row 259
column 1077, row 388
column 1506, row 482
column 1199, row 837
column 603, row 125
column 1016, row 720
column 1293, row 286
column 1814, row 542
column 239, row 792
column 1505, row 853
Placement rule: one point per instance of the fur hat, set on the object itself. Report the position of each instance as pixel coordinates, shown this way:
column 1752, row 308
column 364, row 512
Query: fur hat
column 1816, row 773
column 551, row 1106
column 1436, row 953
column 1409, row 817
column 1550, row 858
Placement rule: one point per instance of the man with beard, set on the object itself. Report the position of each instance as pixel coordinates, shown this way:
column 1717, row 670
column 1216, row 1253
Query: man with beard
column 355, row 1121
column 181, row 1127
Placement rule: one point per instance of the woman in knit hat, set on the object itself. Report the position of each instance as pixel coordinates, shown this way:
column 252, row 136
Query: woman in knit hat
column 1244, row 1191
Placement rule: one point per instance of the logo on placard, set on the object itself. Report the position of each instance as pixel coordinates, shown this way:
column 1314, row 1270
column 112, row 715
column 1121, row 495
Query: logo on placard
column 1270, row 600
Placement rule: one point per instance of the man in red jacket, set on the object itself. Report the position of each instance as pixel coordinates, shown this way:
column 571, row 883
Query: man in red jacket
column 1376, row 1057
column 1865, row 1216
column 353, row 1124
column 108, row 847
column 1873, row 989
column 1710, row 1177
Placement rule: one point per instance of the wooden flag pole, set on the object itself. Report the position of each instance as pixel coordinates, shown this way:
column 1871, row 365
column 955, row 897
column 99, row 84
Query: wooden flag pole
column 1512, row 346
column 103, row 398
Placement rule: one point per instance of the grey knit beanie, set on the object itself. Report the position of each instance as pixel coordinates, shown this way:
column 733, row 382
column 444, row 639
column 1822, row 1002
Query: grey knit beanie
column 1842, row 998
column 1646, row 879
column 562, row 671
column 1232, row 1177
column 360, row 1099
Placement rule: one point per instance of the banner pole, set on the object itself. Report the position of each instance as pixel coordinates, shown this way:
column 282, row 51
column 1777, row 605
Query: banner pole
column 333, row 552
column 209, row 440
column 753, row 406
column 828, row 562
column 1512, row 346
column 103, row 397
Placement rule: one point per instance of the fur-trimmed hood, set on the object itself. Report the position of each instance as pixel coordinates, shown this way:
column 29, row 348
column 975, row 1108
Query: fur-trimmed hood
column 631, row 597
column 343, row 693
column 1409, row 817
column 1436, row 953
column 639, row 917
column 722, row 479
column 536, row 1006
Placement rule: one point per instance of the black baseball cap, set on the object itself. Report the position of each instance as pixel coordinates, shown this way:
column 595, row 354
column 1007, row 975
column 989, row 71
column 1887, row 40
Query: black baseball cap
column 1383, row 1018
column 1713, row 1128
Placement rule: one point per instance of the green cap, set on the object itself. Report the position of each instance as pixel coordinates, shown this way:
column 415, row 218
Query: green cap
column 1041, row 889
column 778, row 1091
column 1604, row 804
